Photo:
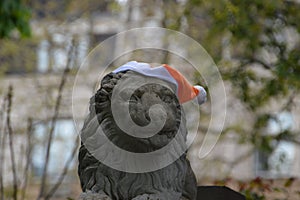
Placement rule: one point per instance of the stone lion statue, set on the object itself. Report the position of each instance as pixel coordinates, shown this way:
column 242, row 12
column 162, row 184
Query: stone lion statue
column 101, row 181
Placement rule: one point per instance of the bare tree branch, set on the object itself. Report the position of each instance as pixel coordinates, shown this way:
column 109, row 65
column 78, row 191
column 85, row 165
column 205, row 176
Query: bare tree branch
column 11, row 144
column 264, row 64
column 241, row 158
column 28, row 155
column 2, row 146
column 64, row 171
column 290, row 102
column 53, row 121
column 250, row 61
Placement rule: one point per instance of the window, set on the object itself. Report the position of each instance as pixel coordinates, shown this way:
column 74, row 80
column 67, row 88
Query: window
column 62, row 145
column 280, row 162
column 52, row 55
column 42, row 56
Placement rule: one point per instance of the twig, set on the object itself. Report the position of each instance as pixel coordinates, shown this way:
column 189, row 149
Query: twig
column 240, row 159
column 2, row 164
column 252, row 60
column 262, row 63
column 11, row 145
column 53, row 121
column 64, row 171
column 28, row 155
column 2, row 147
column 290, row 102
column 235, row 161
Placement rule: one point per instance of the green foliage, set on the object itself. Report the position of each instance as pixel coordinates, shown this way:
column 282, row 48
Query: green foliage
column 253, row 28
column 264, row 67
column 18, row 55
column 259, row 189
column 14, row 15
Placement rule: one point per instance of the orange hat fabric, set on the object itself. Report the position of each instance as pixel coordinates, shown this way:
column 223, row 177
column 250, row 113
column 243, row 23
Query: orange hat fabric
column 184, row 90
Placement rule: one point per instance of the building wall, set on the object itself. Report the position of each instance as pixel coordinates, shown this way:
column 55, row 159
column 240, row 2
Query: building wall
column 35, row 95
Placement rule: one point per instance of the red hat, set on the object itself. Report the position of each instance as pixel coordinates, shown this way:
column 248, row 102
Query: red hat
column 184, row 90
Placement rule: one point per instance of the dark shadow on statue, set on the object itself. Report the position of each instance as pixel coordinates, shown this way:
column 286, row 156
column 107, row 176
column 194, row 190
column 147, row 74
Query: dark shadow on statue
column 218, row 193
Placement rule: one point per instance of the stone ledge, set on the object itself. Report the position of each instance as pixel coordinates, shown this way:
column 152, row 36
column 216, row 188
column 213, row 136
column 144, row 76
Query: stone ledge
column 203, row 192
column 218, row 193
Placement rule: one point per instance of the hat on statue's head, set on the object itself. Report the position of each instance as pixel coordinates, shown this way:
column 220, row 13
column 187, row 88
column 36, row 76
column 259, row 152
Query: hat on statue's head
column 184, row 90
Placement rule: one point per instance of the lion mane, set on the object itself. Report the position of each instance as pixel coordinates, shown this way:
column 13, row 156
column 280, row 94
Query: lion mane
column 175, row 181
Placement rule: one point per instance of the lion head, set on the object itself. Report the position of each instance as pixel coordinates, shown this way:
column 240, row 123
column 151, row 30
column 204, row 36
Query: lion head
column 154, row 101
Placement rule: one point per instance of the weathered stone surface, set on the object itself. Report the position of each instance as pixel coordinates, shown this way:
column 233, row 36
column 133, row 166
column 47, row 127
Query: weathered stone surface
column 89, row 195
column 175, row 181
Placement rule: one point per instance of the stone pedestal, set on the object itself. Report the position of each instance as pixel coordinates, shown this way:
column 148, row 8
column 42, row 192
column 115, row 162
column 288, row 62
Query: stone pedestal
column 218, row 193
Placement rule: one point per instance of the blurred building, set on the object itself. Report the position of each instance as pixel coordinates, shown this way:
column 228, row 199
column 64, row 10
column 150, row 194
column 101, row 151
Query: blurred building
column 35, row 72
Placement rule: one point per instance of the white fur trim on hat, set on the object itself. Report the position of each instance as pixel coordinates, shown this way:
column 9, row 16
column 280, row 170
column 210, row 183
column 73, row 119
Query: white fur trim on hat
column 202, row 95
column 184, row 90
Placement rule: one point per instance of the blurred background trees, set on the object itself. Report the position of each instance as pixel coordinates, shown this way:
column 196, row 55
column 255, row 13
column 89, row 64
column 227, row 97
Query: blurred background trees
column 14, row 15
column 255, row 44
